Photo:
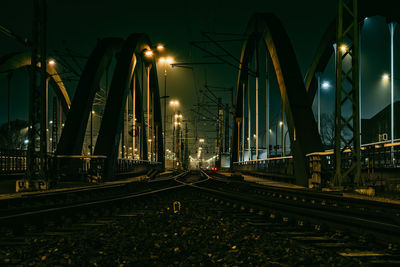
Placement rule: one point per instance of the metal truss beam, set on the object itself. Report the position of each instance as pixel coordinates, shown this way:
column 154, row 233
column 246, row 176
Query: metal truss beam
column 38, row 95
column 347, row 126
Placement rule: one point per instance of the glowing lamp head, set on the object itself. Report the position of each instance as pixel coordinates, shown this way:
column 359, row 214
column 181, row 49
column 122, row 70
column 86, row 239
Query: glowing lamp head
column 281, row 123
column 386, row 77
column 160, row 47
column 148, row 53
column 52, row 62
column 343, row 48
column 174, row 103
column 325, row 85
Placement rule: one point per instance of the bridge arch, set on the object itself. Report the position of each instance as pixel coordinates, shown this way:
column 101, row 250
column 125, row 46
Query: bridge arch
column 303, row 130
column 108, row 140
column 123, row 80
column 73, row 134
column 14, row 61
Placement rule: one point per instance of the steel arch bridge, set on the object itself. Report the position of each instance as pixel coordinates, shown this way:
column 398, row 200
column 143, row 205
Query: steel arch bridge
column 297, row 93
column 125, row 80
column 302, row 127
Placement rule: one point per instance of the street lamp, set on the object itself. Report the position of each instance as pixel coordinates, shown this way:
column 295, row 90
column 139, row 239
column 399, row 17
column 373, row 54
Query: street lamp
column 174, row 104
column 385, row 77
column 389, row 78
column 165, row 61
column 323, row 85
column 343, row 48
column 52, row 62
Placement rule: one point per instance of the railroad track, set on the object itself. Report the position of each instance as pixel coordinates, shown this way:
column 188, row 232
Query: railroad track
column 369, row 231
column 253, row 217
column 37, row 209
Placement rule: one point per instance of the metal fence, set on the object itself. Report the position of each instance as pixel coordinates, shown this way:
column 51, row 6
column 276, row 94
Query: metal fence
column 12, row 161
column 321, row 165
column 70, row 167
column 279, row 165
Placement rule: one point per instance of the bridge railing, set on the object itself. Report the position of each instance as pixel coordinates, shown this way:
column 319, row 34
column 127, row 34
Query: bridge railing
column 128, row 165
column 279, row 166
column 374, row 157
column 321, row 165
column 68, row 167
column 12, row 161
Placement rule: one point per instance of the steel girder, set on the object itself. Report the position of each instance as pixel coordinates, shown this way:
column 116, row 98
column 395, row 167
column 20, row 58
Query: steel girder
column 366, row 8
column 140, row 122
column 73, row 134
column 109, row 135
column 303, row 130
column 14, row 61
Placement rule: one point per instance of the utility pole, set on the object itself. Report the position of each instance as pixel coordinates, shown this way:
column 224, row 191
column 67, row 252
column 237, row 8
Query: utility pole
column 220, row 124
column 226, row 150
column 54, row 126
column 186, row 157
column 8, row 100
column 38, row 94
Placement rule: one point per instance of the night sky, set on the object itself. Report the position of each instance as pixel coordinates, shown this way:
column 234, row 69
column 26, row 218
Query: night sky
column 78, row 24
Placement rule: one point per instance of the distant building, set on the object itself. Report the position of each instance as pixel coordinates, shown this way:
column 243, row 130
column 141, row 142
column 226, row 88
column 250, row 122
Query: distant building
column 377, row 128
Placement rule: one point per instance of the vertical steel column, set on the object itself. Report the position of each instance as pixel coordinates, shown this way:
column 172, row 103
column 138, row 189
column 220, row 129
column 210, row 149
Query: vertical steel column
column 257, row 76
column 347, row 30
column 126, row 126
column 243, row 122
column 267, row 105
column 153, row 137
column 360, row 77
column 8, row 99
column 249, row 113
column 133, row 115
column 173, row 120
column 319, row 102
column 91, row 132
column 37, row 93
column 226, row 128
column 165, row 112
column 148, row 110
column 54, row 125
column 392, row 29
column 282, row 124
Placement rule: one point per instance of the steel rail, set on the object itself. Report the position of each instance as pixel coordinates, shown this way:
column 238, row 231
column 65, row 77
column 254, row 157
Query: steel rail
column 382, row 230
column 21, row 217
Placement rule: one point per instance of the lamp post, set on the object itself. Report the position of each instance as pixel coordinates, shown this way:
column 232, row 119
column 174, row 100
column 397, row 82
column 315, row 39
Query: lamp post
column 323, row 85
column 149, row 56
column 174, row 104
column 392, row 29
column 91, row 132
column 282, row 128
column 390, row 78
column 165, row 61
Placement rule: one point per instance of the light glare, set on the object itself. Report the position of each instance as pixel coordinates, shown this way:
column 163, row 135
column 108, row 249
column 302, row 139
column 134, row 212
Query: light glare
column 325, row 85
column 386, row 77
column 148, row 53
